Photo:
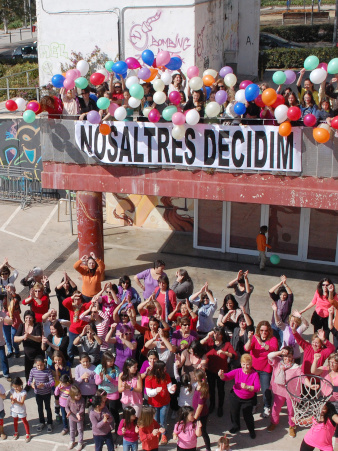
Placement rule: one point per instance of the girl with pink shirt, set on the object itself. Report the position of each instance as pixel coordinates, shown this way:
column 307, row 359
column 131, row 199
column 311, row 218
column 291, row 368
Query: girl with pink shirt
column 130, row 385
column 128, row 429
column 187, row 429
column 322, row 430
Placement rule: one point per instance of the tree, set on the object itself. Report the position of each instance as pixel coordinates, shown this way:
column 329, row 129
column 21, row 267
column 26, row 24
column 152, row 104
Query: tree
column 12, row 10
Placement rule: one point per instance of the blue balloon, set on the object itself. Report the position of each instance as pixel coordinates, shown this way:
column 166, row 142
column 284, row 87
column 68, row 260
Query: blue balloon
column 175, row 63
column 120, row 67
column 148, row 57
column 251, row 92
column 58, row 80
column 239, row 108
column 121, row 76
column 207, row 89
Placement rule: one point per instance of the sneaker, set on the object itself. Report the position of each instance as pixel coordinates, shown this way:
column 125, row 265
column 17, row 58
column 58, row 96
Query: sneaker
column 28, row 438
column 40, row 426
column 79, row 446
column 16, row 436
column 71, row 445
column 8, row 378
column 266, row 412
column 64, row 431
column 292, row 431
column 271, row 428
column 49, row 428
column 164, row 440
column 58, row 419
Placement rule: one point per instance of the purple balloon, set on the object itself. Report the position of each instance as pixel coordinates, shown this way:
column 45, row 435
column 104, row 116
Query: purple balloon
column 221, row 96
column 144, row 73
column 225, row 71
column 94, row 117
column 290, row 77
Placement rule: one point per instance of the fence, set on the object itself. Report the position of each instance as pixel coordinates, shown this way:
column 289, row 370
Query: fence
column 27, row 72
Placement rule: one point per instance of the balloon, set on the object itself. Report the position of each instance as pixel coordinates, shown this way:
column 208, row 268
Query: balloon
column 332, row 67
column 279, row 77
column 93, row 117
column 158, row 85
column 310, row 120
column 269, row 96
column 21, row 103
column 280, row 101
column 162, row 58
column 120, row 67
column 321, row 135
column 239, row 108
column 109, row 66
column 73, row 74
column 240, row 96
column 251, row 92
column 105, row 129
column 81, row 83
column 285, row 129
column 132, row 63
column 225, row 71
column 281, row 113
column 96, row 79
column 69, row 83
column 212, row 109
column 244, row 84
column 148, row 57
column 208, row 91
column 317, row 76
column 166, row 78
column 136, row 91
column 133, row 102
column 259, row 102
column 294, row 113
column 178, row 132
column 120, row 113
column 154, row 115
column 83, row 67
column 311, row 62
column 196, row 83
column 159, row 97
column 112, row 108
column 11, row 105
column 192, row 117
column 290, row 77
column 193, row 71
column 334, row 122
column 57, row 80
column 153, row 73
column 175, row 63
column 275, row 259
column 168, row 112
column 132, row 81
column 29, row 116
column 175, row 97
column 178, row 119
column 211, row 72
column 325, row 127
column 33, row 105
column 103, row 103
column 322, row 66
column 208, row 80
column 147, row 110
column 221, row 96
column 105, row 73
column 230, row 80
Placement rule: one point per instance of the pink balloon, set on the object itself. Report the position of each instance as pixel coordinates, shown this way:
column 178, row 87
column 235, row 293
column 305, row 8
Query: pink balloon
column 322, row 66
column 73, row 74
column 244, row 84
column 193, row 71
column 154, row 115
column 186, row 112
column 162, row 58
column 175, row 97
column 69, row 83
column 178, row 119
column 112, row 108
column 132, row 63
column 310, row 120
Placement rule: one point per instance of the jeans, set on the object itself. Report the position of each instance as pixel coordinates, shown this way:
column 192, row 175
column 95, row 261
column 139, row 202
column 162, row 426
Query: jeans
column 4, row 361
column 64, row 417
column 40, row 400
column 278, row 333
column 70, row 349
column 9, row 333
column 130, row 446
column 100, row 440
column 264, row 379
column 161, row 416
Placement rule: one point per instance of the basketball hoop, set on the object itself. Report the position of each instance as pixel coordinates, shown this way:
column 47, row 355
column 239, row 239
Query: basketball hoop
column 308, row 402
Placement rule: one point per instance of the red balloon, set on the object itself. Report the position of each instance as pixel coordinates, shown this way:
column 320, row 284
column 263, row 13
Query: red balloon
column 175, row 97
column 33, row 105
column 96, row 78
column 334, row 123
column 294, row 113
column 310, row 120
column 11, row 105
column 259, row 102
column 244, row 84
column 280, row 101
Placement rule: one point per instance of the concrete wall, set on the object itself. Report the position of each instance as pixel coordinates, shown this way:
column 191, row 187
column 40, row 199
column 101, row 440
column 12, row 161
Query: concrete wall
column 248, row 37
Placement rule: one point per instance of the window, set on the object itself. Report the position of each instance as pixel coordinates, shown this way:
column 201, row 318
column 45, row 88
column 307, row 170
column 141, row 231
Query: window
column 210, row 215
column 323, row 235
column 284, row 229
column 244, row 225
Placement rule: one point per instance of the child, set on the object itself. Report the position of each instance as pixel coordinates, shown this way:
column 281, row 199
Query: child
column 59, row 368
column 41, row 379
column 102, row 424
column 2, row 412
column 75, row 408
column 130, row 385
column 187, row 430
column 199, row 403
column 62, row 392
column 85, row 376
column 224, row 444
column 12, row 306
column 186, row 388
column 18, row 408
column 261, row 246
column 128, row 429
column 149, row 429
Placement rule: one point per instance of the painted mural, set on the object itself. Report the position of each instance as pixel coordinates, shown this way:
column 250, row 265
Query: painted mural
column 154, row 212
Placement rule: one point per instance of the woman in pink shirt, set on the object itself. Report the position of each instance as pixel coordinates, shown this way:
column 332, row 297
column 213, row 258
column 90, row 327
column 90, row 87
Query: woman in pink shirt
column 322, row 430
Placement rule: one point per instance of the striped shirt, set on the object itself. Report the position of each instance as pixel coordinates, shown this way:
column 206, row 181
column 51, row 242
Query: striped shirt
column 102, row 328
column 44, row 377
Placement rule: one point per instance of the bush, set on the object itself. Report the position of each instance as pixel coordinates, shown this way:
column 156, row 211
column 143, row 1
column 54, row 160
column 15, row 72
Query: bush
column 303, row 33
column 19, row 81
column 293, row 3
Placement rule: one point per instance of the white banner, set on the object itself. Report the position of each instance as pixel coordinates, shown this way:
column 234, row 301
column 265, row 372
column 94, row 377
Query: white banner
column 204, row 146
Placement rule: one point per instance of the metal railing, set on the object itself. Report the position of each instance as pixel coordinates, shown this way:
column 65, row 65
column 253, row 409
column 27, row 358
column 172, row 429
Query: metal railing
column 27, row 72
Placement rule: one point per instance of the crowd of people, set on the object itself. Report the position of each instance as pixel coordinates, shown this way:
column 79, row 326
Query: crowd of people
column 129, row 363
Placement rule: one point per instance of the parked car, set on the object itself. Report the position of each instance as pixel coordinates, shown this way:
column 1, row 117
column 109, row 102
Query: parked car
column 269, row 41
column 29, row 51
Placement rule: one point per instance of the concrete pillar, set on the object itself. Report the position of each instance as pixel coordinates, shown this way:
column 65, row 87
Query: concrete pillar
column 90, row 223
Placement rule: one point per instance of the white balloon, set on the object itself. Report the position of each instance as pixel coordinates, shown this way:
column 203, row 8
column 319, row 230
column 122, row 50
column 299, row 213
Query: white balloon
column 178, row 132
column 133, row 102
column 166, row 77
column 212, row 109
column 196, row 83
column 120, row 113
column 230, row 80
column 317, row 76
column 132, row 81
column 146, row 111
column 83, row 67
column 159, row 97
column 211, row 72
column 21, row 103
column 240, row 96
column 192, row 117
column 105, row 73
column 158, row 84
column 281, row 113
column 325, row 126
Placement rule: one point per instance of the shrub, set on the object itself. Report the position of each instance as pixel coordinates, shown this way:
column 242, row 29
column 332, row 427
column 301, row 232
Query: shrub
column 19, row 81
column 293, row 3
column 303, row 33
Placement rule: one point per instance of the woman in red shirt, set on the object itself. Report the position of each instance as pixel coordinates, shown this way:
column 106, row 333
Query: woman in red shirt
column 52, row 105
column 165, row 297
column 38, row 302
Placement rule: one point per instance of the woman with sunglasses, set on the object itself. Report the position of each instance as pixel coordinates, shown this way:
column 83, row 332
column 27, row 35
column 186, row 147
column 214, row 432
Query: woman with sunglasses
column 125, row 344
column 90, row 343
column 117, row 88
column 86, row 103
column 37, row 301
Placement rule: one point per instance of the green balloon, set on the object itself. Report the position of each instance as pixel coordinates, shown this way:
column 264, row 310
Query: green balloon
column 81, row 82
column 168, row 112
column 136, row 91
column 109, row 66
column 103, row 103
column 311, row 62
column 279, row 77
column 275, row 259
column 332, row 67
column 29, row 116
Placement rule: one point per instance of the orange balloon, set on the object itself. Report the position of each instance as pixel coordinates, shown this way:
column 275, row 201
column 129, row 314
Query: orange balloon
column 285, row 129
column 208, row 80
column 321, row 135
column 104, row 129
column 153, row 73
column 64, row 74
column 269, row 96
